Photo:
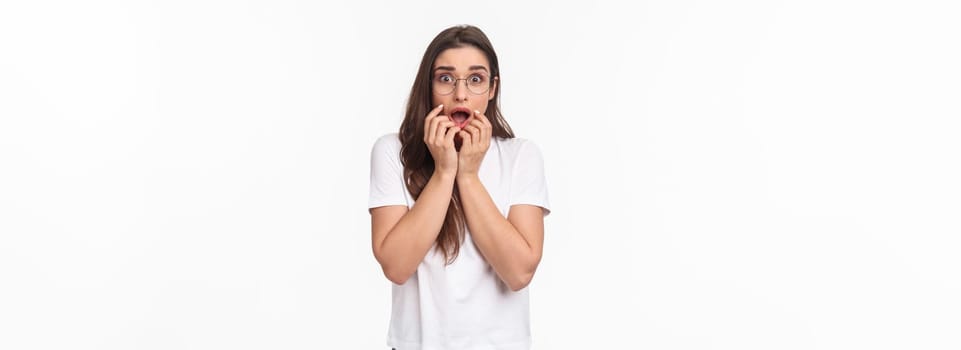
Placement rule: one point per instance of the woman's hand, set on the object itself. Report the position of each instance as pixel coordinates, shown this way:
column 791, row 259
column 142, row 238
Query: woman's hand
column 439, row 133
column 477, row 139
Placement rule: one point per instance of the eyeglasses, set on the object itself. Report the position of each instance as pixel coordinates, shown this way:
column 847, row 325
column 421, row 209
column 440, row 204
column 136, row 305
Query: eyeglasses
column 477, row 84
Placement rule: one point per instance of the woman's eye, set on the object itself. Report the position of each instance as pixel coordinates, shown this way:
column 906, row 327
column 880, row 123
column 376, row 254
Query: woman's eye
column 476, row 79
column 445, row 79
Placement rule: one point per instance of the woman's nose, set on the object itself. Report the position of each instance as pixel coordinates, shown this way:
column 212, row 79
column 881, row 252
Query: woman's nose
column 460, row 92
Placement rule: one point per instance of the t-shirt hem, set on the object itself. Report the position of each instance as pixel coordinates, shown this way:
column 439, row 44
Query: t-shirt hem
column 404, row 345
column 534, row 202
column 376, row 204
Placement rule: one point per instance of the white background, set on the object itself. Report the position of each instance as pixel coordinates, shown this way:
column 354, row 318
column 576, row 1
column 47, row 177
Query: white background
column 736, row 175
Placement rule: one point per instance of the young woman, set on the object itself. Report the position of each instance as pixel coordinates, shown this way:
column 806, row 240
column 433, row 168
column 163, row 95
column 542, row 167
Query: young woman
column 457, row 206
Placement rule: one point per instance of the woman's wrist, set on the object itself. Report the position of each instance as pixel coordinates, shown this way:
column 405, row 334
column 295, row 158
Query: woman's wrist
column 445, row 174
column 463, row 177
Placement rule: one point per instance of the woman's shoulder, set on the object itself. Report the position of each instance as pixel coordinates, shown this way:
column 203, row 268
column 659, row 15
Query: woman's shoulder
column 386, row 147
column 517, row 145
column 389, row 140
column 512, row 142
column 518, row 142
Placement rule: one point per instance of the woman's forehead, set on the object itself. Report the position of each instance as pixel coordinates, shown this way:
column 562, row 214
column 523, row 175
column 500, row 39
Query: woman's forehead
column 465, row 58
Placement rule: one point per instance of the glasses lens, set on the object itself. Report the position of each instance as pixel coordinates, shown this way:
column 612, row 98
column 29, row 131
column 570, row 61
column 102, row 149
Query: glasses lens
column 443, row 87
column 477, row 88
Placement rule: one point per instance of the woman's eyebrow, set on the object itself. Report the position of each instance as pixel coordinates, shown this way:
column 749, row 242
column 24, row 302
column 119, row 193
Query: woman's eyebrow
column 449, row 68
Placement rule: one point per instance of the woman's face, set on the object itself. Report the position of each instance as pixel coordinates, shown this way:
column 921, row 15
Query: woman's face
column 462, row 82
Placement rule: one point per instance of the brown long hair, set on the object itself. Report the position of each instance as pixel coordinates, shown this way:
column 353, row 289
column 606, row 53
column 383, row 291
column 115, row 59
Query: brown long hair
column 417, row 160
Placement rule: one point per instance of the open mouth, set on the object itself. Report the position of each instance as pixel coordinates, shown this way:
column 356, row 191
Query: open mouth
column 460, row 116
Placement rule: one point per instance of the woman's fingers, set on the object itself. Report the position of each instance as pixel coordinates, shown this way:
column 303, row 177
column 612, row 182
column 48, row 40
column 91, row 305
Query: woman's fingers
column 475, row 132
column 487, row 127
column 483, row 124
column 434, row 112
column 451, row 132
column 430, row 129
column 465, row 136
column 483, row 118
column 430, row 124
column 476, row 129
column 443, row 127
column 478, row 124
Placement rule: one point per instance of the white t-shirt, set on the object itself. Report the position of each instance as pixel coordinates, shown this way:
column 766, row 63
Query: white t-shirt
column 462, row 306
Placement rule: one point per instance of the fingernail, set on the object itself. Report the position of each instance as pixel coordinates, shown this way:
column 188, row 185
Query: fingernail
column 439, row 106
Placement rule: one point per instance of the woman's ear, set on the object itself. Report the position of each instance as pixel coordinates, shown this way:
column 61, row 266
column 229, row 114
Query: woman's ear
column 493, row 90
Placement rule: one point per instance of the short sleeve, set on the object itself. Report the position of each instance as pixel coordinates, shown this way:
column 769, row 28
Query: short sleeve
column 528, row 183
column 386, row 173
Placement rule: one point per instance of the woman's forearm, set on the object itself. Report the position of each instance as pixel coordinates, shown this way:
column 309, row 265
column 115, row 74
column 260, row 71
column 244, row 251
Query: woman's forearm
column 411, row 238
column 505, row 248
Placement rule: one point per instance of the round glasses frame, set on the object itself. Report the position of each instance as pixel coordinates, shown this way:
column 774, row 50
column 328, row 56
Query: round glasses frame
column 439, row 87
